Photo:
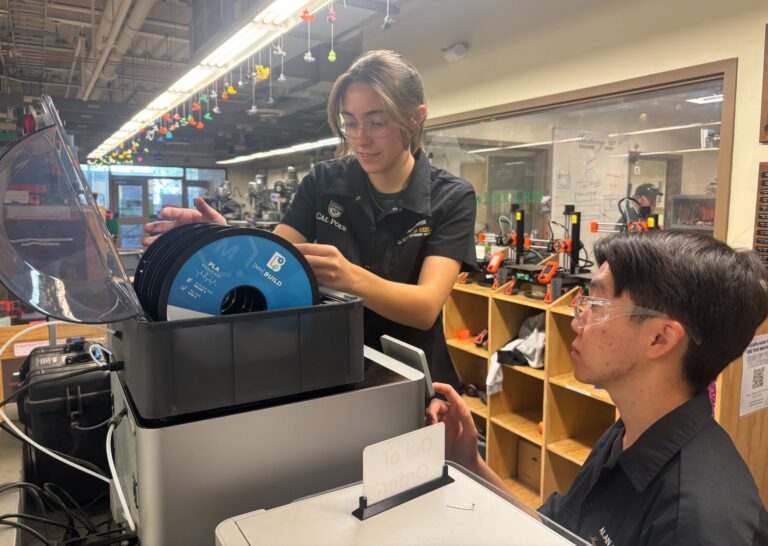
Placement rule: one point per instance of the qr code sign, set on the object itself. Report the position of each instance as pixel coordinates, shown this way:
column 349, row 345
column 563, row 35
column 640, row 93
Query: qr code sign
column 758, row 378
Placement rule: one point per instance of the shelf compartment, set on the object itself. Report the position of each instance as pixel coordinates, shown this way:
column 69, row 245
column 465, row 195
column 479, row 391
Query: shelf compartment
column 465, row 311
column 559, row 473
column 523, row 492
column 575, row 422
column 524, row 424
column 562, row 306
column 520, row 299
column 469, row 346
column 568, row 381
column 473, row 288
column 471, row 368
column 503, row 458
column 538, row 373
column 506, row 317
column 519, row 406
column 476, row 406
column 557, row 355
column 575, row 449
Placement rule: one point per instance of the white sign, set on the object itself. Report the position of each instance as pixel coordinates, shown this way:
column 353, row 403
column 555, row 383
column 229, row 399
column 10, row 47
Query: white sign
column 754, row 376
column 403, row 462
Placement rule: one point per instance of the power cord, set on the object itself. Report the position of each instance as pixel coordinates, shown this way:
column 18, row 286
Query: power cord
column 50, row 453
column 126, row 512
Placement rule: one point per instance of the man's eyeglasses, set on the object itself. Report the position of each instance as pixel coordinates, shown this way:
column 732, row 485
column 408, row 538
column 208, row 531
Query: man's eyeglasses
column 373, row 128
column 589, row 310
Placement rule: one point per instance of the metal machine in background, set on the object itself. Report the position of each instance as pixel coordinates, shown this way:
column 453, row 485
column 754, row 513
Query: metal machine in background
column 221, row 200
column 269, row 204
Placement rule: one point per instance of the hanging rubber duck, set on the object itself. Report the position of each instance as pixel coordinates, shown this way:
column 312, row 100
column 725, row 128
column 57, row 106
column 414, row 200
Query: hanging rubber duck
column 167, row 116
column 195, row 106
column 262, row 72
column 331, row 18
column 308, row 18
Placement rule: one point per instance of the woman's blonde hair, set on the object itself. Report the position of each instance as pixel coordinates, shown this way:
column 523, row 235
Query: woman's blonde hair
column 396, row 82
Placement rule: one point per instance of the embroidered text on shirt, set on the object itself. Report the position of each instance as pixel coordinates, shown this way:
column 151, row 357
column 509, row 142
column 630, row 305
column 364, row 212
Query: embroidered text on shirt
column 332, row 221
column 420, row 229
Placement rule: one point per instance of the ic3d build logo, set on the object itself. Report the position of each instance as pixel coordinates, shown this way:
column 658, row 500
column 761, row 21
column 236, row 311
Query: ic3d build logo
column 276, row 262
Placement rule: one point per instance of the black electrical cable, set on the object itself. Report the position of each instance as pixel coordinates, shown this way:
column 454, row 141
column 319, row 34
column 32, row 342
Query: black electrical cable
column 71, row 514
column 50, row 486
column 35, row 492
column 42, row 520
column 87, row 464
column 29, row 530
column 586, row 260
column 552, row 231
column 94, row 427
column 623, row 211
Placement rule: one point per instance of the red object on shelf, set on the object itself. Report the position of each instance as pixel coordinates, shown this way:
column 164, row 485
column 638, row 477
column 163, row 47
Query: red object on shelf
column 28, row 124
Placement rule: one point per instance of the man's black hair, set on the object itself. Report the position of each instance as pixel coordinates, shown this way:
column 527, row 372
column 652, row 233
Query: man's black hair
column 719, row 294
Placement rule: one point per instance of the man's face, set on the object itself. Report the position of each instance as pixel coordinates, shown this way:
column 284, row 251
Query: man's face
column 605, row 351
column 646, row 201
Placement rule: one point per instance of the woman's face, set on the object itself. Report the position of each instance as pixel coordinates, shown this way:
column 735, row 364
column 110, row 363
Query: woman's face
column 373, row 137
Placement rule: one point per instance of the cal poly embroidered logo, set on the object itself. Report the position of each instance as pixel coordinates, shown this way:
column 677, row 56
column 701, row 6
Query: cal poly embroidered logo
column 335, row 209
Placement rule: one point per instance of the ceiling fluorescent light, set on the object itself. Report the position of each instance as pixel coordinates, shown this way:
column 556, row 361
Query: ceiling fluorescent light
column 526, row 145
column 269, row 24
column 664, row 129
column 706, row 100
column 282, row 151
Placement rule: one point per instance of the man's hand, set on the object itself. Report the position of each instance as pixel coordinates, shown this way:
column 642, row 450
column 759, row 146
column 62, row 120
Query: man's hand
column 176, row 216
column 331, row 268
column 460, row 430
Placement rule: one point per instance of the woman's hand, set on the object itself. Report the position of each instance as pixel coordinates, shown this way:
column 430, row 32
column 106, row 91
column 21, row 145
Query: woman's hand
column 176, row 216
column 460, row 430
column 331, row 268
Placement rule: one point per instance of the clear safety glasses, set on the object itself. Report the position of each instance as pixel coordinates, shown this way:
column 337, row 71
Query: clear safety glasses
column 589, row 310
column 374, row 128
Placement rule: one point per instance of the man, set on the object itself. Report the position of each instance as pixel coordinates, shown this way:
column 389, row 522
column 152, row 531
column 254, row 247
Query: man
column 646, row 195
column 667, row 312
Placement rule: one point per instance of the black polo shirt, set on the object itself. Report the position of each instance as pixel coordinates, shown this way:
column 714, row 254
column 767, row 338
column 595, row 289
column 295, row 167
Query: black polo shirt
column 434, row 216
column 682, row 482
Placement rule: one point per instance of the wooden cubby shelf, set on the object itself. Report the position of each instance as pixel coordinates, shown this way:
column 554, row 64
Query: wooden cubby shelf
column 525, row 424
column 538, row 373
column 523, row 492
column 469, row 346
column 476, row 406
column 574, row 449
column 574, row 415
column 569, row 382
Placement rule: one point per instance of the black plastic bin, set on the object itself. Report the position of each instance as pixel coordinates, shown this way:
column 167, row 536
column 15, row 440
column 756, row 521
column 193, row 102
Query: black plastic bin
column 184, row 367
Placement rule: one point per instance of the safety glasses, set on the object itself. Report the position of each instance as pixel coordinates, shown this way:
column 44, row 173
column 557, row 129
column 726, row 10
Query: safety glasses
column 589, row 310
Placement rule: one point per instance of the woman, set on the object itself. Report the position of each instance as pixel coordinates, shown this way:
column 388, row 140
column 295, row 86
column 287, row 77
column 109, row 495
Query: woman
column 379, row 222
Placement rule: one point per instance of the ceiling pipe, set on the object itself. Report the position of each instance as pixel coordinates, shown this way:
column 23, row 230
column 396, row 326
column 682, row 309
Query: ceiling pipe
column 98, row 36
column 135, row 21
column 80, row 40
column 117, row 25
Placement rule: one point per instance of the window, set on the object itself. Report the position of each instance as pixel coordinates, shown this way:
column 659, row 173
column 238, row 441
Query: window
column 663, row 143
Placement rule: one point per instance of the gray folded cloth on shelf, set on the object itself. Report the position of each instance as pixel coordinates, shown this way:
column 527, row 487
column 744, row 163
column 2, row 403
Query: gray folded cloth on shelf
column 526, row 349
